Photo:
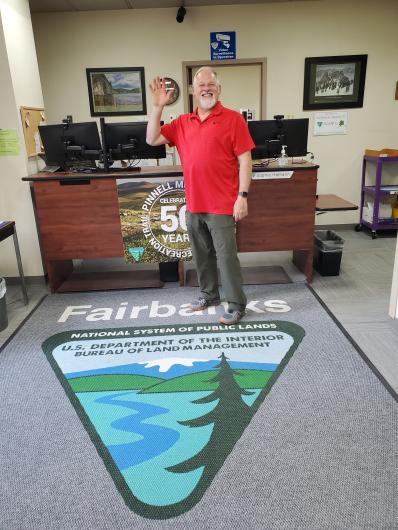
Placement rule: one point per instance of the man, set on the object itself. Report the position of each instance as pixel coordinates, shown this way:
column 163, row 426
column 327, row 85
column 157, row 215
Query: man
column 214, row 145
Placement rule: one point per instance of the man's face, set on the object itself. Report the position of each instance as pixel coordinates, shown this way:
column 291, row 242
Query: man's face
column 206, row 90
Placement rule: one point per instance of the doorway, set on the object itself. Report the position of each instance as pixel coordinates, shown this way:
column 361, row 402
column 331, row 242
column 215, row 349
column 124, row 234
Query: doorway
column 242, row 84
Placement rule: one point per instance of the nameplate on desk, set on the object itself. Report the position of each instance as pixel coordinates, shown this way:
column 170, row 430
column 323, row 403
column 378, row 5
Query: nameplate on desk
column 261, row 175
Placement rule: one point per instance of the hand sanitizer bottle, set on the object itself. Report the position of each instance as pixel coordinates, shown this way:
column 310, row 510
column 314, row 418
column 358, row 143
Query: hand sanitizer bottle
column 283, row 159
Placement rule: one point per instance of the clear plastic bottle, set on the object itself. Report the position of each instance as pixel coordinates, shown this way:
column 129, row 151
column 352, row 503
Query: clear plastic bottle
column 283, row 160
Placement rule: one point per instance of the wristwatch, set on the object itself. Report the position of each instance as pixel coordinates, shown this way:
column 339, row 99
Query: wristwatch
column 243, row 194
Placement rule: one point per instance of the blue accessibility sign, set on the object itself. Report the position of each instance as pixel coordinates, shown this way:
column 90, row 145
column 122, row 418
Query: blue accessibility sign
column 222, row 45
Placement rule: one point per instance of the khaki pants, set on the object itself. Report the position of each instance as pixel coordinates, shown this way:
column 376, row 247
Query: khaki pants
column 213, row 240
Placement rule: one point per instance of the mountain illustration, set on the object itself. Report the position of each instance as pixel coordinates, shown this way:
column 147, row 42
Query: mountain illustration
column 130, row 187
column 204, row 381
column 176, row 368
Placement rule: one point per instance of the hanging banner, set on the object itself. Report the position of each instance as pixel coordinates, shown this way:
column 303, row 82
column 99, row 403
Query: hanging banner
column 222, row 45
column 152, row 217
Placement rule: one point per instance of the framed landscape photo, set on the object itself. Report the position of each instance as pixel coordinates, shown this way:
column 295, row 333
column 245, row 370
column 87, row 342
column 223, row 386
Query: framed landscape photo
column 116, row 91
column 335, row 82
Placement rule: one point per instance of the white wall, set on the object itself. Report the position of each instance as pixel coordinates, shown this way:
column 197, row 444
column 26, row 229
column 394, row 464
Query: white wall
column 20, row 85
column 284, row 33
column 21, row 51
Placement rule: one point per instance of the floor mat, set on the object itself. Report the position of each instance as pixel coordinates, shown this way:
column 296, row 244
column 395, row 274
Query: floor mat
column 123, row 410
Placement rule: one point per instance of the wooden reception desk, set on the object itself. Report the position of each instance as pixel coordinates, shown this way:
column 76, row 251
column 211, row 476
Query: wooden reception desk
column 78, row 218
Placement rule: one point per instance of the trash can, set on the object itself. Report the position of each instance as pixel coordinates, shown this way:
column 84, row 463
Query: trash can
column 328, row 249
column 3, row 306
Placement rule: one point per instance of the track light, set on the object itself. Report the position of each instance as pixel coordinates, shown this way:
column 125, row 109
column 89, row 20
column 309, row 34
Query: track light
column 181, row 14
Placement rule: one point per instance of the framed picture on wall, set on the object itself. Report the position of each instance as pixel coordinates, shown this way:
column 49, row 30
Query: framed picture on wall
column 116, row 91
column 335, row 82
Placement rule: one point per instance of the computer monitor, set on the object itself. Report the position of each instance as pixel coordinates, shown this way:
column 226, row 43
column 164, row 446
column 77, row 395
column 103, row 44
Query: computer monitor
column 127, row 141
column 70, row 144
column 270, row 135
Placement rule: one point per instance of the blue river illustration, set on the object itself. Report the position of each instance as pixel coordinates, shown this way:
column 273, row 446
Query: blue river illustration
column 143, row 437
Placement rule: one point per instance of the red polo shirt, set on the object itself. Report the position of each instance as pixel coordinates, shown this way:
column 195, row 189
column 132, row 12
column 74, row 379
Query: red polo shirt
column 208, row 150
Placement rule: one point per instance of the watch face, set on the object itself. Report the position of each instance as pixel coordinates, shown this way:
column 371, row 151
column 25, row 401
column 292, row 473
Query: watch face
column 170, row 83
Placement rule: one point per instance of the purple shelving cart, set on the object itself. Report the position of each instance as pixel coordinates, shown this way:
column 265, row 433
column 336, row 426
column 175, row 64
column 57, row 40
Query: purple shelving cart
column 377, row 192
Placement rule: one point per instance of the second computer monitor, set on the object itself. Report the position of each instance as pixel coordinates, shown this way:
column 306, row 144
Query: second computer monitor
column 128, row 141
column 270, row 135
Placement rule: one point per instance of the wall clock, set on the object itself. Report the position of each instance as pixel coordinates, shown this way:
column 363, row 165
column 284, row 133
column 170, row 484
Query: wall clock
column 170, row 83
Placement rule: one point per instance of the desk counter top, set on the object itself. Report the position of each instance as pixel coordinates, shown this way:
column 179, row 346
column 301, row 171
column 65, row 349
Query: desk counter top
column 148, row 172
column 330, row 203
column 78, row 218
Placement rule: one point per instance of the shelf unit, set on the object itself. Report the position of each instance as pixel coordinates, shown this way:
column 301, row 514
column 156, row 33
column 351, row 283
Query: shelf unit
column 377, row 192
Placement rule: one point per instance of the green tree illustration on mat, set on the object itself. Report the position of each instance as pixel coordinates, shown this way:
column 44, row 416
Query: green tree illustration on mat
column 230, row 416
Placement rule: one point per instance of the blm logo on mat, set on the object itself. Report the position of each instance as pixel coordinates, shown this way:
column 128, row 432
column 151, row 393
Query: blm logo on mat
column 166, row 405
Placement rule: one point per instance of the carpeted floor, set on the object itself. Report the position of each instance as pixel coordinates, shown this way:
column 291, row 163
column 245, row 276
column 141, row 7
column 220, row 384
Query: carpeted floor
column 320, row 451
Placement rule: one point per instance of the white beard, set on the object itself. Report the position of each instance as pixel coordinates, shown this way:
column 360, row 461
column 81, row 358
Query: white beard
column 207, row 103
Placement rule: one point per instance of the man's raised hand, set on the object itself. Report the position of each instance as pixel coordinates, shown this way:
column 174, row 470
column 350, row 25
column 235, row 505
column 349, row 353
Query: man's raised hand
column 160, row 96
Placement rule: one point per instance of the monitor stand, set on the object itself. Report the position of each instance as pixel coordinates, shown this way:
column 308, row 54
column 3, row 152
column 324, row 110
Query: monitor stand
column 51, row 169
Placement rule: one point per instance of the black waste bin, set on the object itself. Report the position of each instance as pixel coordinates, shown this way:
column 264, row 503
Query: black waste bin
column 3, row 306
column 328, row 249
